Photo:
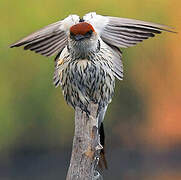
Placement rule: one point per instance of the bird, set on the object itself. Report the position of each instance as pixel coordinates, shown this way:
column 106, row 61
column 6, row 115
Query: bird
column 88, row 56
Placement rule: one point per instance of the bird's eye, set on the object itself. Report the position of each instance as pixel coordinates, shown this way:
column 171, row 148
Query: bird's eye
column 71, row 33
column 90, row 32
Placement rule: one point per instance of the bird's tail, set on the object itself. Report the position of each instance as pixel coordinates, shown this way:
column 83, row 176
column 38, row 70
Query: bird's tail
column 102, row 160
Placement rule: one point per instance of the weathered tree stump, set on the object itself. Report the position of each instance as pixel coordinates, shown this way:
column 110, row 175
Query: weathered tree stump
column 86, row 146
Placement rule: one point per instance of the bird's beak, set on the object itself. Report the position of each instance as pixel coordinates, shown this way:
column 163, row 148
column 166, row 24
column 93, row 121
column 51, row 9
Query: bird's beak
column 79, row 37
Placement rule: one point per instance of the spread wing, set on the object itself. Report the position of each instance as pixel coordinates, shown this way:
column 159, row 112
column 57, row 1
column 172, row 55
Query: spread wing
column 50, row 39
column 123, row 32
column 117, row 63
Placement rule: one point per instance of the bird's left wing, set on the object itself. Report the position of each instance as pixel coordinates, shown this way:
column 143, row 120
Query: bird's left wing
column 123, row 32
column 50, row 39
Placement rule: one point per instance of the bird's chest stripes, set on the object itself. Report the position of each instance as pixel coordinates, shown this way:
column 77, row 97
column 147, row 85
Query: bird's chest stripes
column 83, row 81
column 84, row 75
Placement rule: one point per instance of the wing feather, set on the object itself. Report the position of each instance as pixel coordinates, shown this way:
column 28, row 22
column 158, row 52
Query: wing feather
column 59, row 47
column 123, row 32
column 50, row 39
column 43, row 43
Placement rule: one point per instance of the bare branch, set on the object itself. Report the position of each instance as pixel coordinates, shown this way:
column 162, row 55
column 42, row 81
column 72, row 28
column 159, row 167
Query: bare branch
column 86, row 146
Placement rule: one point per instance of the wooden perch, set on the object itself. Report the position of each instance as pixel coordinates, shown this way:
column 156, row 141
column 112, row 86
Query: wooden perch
column 86, row 146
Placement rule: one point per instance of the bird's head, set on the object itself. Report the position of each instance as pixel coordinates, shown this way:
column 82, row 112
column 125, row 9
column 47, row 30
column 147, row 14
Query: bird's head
column 82, row 31
column 83, row 38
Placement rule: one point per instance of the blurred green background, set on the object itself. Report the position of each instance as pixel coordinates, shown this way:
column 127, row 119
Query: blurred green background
column 142, row 124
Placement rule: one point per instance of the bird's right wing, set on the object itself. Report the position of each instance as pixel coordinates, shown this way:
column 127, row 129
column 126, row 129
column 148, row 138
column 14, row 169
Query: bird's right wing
column 50, row 39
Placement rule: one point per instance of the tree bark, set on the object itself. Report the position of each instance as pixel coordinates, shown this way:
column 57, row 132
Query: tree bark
column 86, row 146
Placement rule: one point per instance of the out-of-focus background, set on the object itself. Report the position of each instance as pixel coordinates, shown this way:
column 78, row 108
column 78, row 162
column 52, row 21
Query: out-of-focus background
column 143, row 123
